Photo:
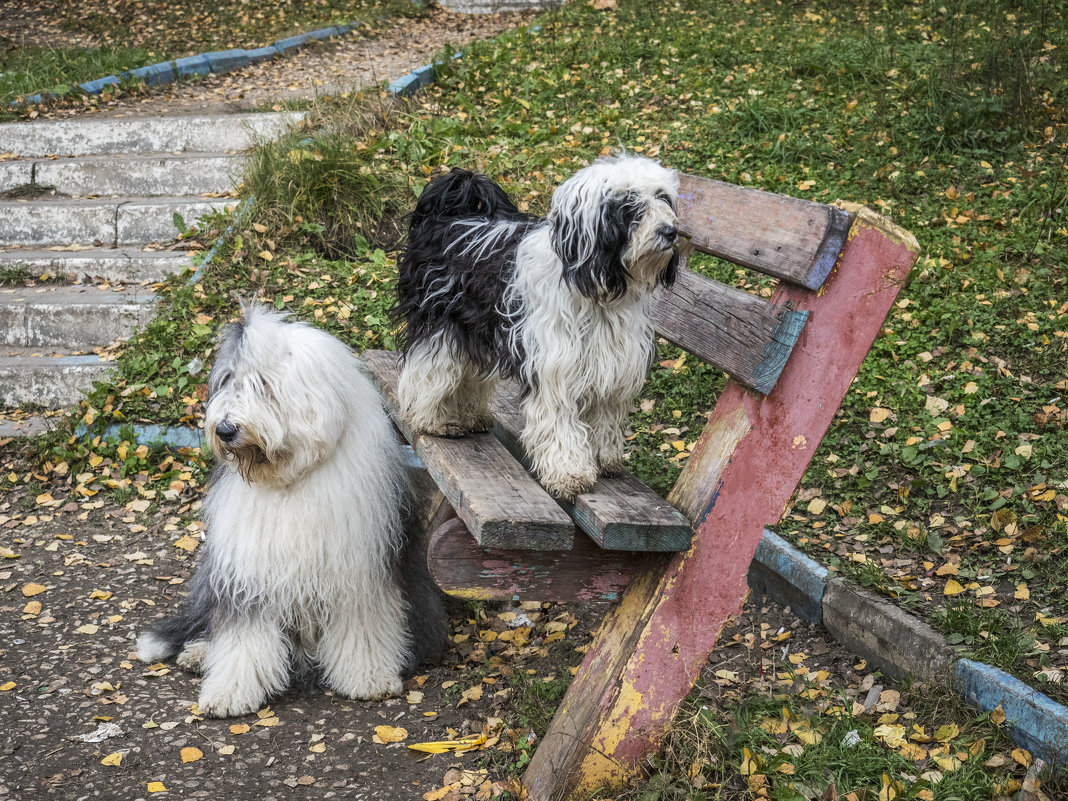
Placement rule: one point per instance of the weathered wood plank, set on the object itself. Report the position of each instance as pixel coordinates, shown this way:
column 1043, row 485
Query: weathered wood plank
column 620, row 512
column 464, row 569
column 491, row 492
column 740, row 333
column 786, row 237
column 653, row 644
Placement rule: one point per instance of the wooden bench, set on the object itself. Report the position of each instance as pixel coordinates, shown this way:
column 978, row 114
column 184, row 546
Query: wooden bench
column 677, row 568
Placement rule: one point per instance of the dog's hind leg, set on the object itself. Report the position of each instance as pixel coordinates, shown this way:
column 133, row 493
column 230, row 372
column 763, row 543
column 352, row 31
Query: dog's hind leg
column 364, row 647
column 247, row 662
column 472, row 401
column 429, row 389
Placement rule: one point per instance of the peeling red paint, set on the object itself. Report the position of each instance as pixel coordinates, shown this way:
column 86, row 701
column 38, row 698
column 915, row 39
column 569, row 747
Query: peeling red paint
column 699, row 590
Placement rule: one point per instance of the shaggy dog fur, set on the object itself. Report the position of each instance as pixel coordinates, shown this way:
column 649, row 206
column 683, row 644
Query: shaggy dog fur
column 305, row 570
column 561, row 304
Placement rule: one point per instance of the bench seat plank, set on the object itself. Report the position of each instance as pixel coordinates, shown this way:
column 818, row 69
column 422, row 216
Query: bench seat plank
column 501, row 504
column 740, row 333
column 620, row 512
column 464, row 569
column 785, row 237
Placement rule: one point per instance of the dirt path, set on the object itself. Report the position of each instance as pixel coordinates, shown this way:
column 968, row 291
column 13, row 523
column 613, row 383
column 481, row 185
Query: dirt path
column 351, row 62
column 81, row 580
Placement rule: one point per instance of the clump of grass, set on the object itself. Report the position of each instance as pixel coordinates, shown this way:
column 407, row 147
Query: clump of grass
column 328, row 172
column 30, row 69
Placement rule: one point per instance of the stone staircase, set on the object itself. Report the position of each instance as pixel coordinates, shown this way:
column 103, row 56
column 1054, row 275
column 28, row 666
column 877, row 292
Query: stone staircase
column 90, row 201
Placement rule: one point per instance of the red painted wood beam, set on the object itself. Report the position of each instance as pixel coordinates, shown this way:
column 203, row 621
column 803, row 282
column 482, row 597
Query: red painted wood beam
column 747, row 464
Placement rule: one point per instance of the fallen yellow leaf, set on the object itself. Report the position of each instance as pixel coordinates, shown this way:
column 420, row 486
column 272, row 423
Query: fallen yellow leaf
column 112, row 760
column 953, row 587
column 191, row 754
column 156, row 787
column 389, row 734
column 442, row 746
column 32, row 589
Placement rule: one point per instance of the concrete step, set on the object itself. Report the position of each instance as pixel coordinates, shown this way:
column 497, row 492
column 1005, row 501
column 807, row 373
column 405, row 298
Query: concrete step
column 46, row 377
column 113, row 222
column 141, row 176
column 117, row 135
column 64, row 316
column 116, row 265
column 24, row 427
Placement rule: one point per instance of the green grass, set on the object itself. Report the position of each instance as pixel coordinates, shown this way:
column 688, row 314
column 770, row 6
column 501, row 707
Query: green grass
column 126, row 34
column 778, row 745
column 948, row 448
column 29, row 70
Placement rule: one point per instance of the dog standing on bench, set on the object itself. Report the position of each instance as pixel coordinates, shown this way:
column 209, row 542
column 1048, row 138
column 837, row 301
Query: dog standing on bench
column 306, row 571
column 560, row 304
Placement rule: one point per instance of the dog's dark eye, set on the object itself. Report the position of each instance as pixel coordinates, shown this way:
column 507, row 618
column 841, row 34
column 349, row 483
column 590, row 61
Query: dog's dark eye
column 669, row 199
column 223, row 380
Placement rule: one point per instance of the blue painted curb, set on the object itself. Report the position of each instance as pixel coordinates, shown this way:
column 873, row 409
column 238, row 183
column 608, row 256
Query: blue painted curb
column 1033, row 720
column 417, row 79
column 216, row 62
column 151, row 434
column 782, row 572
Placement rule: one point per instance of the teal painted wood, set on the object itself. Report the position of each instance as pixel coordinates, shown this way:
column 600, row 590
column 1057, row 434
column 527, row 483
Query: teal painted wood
column 744, row 335
column 619, row 513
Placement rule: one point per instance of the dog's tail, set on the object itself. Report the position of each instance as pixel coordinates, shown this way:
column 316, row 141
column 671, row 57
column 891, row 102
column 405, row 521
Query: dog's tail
column 460, row 194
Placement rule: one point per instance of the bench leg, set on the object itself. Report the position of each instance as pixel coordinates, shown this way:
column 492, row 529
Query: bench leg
column 746, row 465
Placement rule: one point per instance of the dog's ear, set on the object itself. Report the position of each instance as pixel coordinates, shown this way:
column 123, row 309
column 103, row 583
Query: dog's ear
column 590, row 236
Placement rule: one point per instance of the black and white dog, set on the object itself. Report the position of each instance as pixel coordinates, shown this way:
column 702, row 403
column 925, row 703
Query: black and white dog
column 562, row 304
column 307, row 570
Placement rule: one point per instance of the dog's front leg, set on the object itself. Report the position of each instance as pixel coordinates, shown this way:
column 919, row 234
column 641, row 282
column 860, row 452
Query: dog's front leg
column 247, row 662
column 364, row 645
column 606, row 419
column 557, row 442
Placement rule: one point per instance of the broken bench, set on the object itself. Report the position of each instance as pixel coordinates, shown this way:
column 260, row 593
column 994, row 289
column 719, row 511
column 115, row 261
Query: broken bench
column 676, row 569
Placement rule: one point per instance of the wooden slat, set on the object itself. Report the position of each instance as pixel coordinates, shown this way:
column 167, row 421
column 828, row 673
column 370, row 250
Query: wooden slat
column 491, row 492
column 464, row 569
column 619, row 513
column 654, row 643
column 792, row 239
column 740, row 333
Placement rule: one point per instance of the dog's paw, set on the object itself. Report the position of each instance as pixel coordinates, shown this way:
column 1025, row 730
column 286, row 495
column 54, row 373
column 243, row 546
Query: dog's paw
column 451, row 430
column 192, row 656
column 478, row 423
column 568, row 487
column 220, row 703
column 611, row 467
column 372, row 688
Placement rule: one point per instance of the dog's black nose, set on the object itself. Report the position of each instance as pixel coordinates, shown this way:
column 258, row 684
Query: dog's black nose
column 669, row 233
column 226, row 431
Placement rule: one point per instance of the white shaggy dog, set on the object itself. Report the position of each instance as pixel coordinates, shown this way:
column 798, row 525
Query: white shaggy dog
column 561, row 304
column 302, row 565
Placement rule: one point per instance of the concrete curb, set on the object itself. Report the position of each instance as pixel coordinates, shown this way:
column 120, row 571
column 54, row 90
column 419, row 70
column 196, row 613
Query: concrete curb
column 215, row 62
column 902, row 645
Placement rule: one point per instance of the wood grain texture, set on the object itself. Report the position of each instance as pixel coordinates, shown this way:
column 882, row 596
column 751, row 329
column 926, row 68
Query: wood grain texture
column 464, row 569
column 786, row 237
column 740, row 333
column 620, row 512
column 653, row 644
column 491, row 492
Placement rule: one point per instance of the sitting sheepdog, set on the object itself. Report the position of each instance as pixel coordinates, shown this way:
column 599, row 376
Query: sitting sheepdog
column 305, row 568
column 561, row 304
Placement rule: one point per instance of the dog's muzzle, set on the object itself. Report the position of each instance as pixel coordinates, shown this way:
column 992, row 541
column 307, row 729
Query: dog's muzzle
column 226, row 431
column 668, row 234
